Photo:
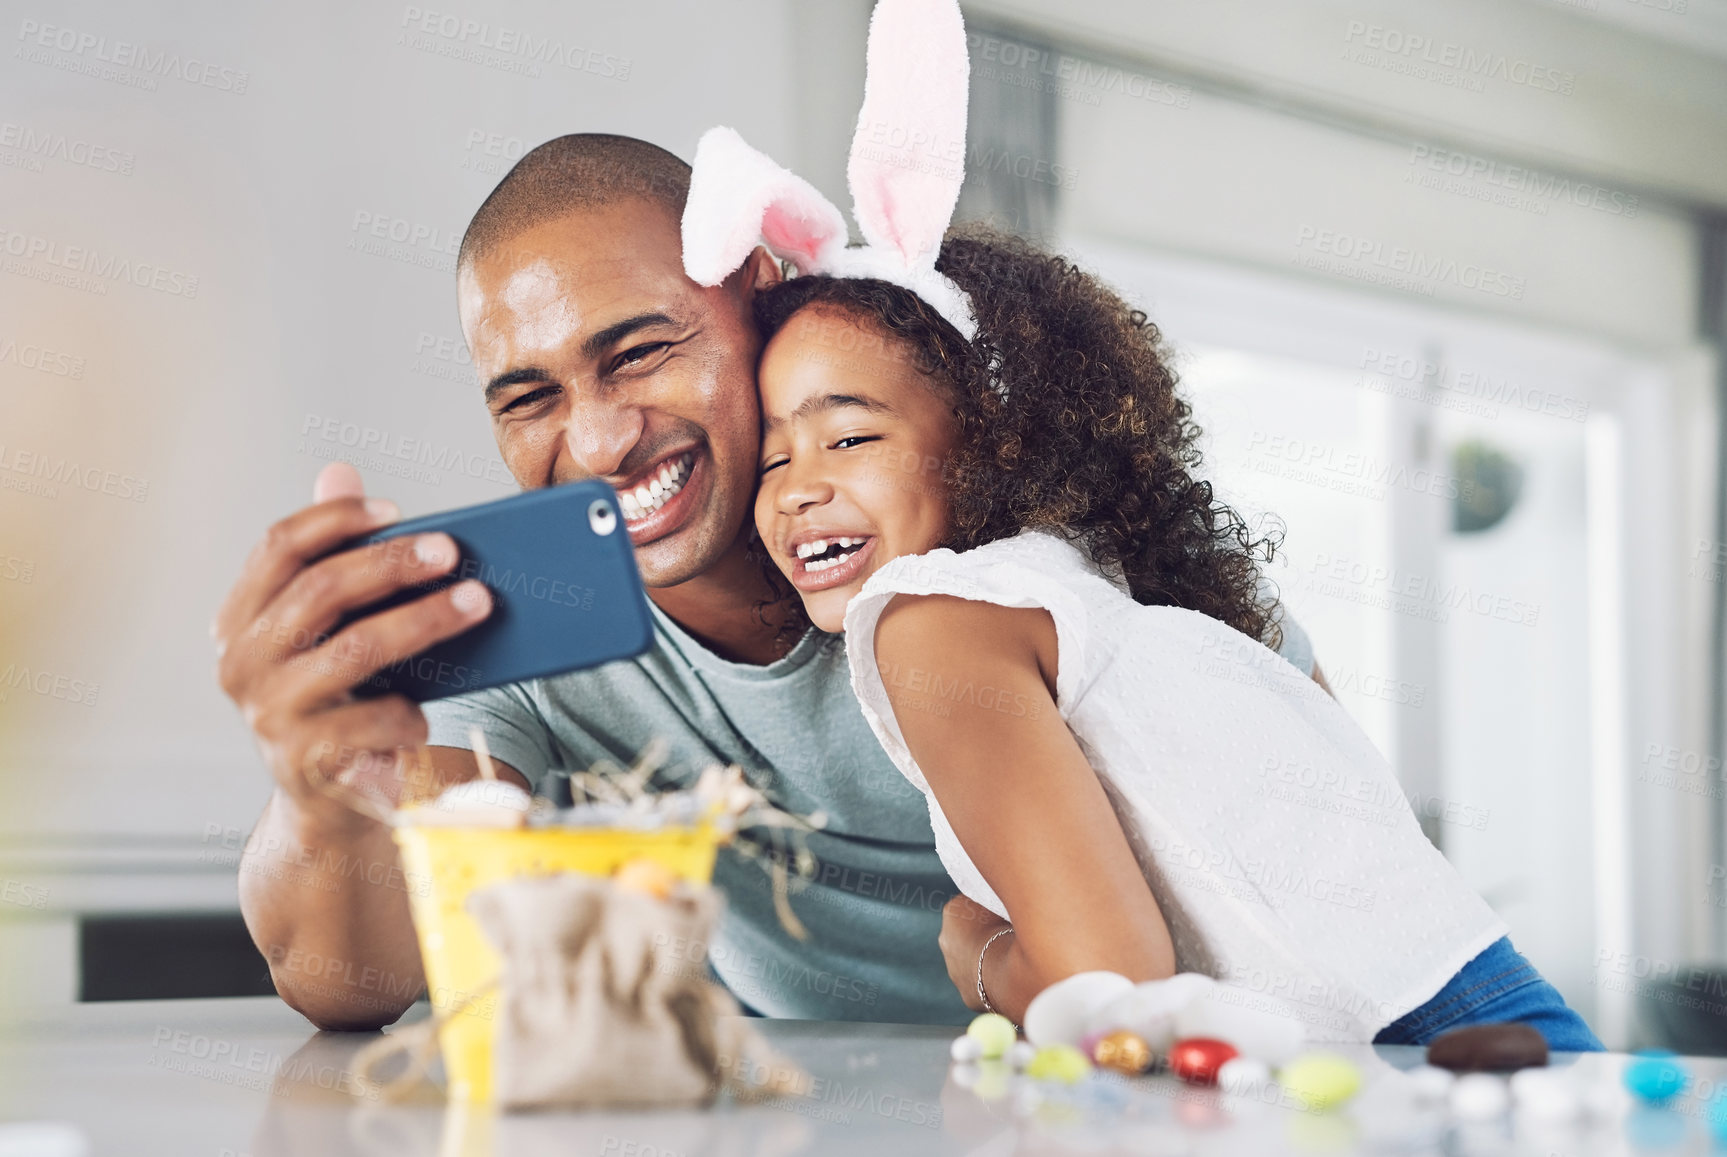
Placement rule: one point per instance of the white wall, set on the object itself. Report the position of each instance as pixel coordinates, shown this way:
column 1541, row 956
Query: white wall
column 1645, row 109
column 218, row 401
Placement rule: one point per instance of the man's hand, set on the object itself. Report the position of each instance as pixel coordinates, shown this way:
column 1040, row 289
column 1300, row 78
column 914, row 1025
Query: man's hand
column 320, row 887
column 292, row 679
column 965, row 926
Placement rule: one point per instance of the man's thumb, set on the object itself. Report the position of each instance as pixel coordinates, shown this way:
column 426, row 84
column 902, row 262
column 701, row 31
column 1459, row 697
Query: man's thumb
column 337, row 480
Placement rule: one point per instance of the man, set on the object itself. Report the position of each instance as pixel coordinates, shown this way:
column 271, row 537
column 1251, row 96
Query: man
column 599, row 359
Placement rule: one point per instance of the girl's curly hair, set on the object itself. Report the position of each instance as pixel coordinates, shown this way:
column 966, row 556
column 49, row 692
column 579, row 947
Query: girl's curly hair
column 1069, row 421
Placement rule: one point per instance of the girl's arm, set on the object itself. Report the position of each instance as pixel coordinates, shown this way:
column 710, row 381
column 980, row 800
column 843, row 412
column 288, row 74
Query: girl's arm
column 972, row 687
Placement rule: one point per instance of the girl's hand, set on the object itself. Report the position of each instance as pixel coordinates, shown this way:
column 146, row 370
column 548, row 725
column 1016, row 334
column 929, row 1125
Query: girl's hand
column 965, row 926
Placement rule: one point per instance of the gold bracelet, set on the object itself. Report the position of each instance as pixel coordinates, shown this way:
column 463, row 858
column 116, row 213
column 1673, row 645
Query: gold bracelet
column 983, row 997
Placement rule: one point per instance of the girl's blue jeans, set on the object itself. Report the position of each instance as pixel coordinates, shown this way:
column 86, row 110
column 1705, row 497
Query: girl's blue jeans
column 1497, row 987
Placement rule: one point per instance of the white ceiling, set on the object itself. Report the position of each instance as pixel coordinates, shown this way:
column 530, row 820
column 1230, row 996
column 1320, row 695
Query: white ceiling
column 1701, row 26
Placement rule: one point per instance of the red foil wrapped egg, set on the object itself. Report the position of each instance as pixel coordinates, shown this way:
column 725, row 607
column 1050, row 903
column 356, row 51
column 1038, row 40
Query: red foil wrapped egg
column 1197, row 1059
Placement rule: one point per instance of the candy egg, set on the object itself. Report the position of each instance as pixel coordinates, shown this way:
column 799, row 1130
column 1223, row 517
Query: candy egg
column 1197, row 1060
column 1027, row 1098
column 1123, row 1052
column 966, row 1049
column 1148, row 1010
column 1020, row 1054
column 1244, row 1076
column 1257, row 1027
column 1061, row 1014
column 1479, row 1097
column 994, row 1081
column 1655, row 1130
column 1605, row 1097
column 1488, row 1048
column 1654, row 1075
column 645, row 875
column 1715, row 1114
column 1545, row 1095
column 993, row 1033
column 477, row 803
column 1430, row 1083
column 1063, row 1063
column 1320, row 1081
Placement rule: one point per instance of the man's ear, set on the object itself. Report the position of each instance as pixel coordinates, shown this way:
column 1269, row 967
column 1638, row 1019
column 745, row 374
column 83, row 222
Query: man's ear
column 761, row 270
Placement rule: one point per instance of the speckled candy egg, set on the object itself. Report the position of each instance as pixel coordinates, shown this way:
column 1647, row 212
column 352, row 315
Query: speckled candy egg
column 1197, row 1060
column 1123, row 1052
column 1061, row 1014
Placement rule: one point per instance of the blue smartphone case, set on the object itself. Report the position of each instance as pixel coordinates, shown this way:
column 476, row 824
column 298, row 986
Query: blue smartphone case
column 566, row 593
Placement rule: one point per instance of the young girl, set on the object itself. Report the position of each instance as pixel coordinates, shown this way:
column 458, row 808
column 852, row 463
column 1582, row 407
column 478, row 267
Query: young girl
column 1055, row 630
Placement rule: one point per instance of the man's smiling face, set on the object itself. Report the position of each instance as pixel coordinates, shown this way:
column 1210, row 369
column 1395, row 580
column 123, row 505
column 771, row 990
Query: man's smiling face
column 601, row 359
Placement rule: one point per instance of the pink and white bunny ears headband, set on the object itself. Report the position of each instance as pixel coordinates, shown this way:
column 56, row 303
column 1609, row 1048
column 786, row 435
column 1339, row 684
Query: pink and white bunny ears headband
column 907, row 164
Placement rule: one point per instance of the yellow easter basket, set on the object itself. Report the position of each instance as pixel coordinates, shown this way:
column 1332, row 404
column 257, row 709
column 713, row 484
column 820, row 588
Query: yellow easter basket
column 444, row 864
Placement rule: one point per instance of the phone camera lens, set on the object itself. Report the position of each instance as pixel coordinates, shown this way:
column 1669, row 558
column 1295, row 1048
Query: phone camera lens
column 602, row 517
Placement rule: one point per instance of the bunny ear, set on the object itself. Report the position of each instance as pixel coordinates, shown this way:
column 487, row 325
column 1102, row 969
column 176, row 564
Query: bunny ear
column 739, row 198
column 908, row 156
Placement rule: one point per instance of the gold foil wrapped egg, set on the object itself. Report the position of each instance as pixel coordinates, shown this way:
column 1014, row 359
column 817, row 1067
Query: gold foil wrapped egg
column 1124, row 1052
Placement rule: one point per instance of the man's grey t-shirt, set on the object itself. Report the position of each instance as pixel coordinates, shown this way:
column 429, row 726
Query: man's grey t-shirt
column 873, row 906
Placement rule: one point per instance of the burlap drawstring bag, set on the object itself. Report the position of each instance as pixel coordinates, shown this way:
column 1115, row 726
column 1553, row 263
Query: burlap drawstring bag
column 604, row 999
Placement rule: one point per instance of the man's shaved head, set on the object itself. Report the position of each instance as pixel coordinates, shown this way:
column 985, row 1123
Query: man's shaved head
column 600, row 358
column 579, row 171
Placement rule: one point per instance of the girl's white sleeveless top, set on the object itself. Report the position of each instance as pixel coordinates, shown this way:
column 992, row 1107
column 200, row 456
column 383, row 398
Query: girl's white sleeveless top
column 1275, row 837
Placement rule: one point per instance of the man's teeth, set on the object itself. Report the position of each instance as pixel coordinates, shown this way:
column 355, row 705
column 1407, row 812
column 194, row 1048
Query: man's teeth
column 649, row 496
column 846, row 547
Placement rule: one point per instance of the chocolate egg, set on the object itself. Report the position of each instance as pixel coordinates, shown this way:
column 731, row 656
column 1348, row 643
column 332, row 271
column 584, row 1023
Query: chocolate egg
column 1493, row 1048
column 1197, row 1059
column 1123, row 1052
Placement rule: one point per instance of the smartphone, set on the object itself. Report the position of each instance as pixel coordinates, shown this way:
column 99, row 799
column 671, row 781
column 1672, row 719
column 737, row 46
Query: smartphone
column 566, row 594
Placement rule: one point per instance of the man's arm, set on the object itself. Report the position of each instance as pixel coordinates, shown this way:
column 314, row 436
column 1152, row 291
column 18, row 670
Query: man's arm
column 305, row 879
column 327, row 903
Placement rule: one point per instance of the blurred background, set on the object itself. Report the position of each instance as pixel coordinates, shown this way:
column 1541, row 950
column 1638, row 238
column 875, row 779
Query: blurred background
column 1447, row 284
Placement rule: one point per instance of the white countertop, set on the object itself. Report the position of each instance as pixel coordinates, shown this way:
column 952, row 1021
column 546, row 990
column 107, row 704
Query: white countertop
column 250, row 1078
